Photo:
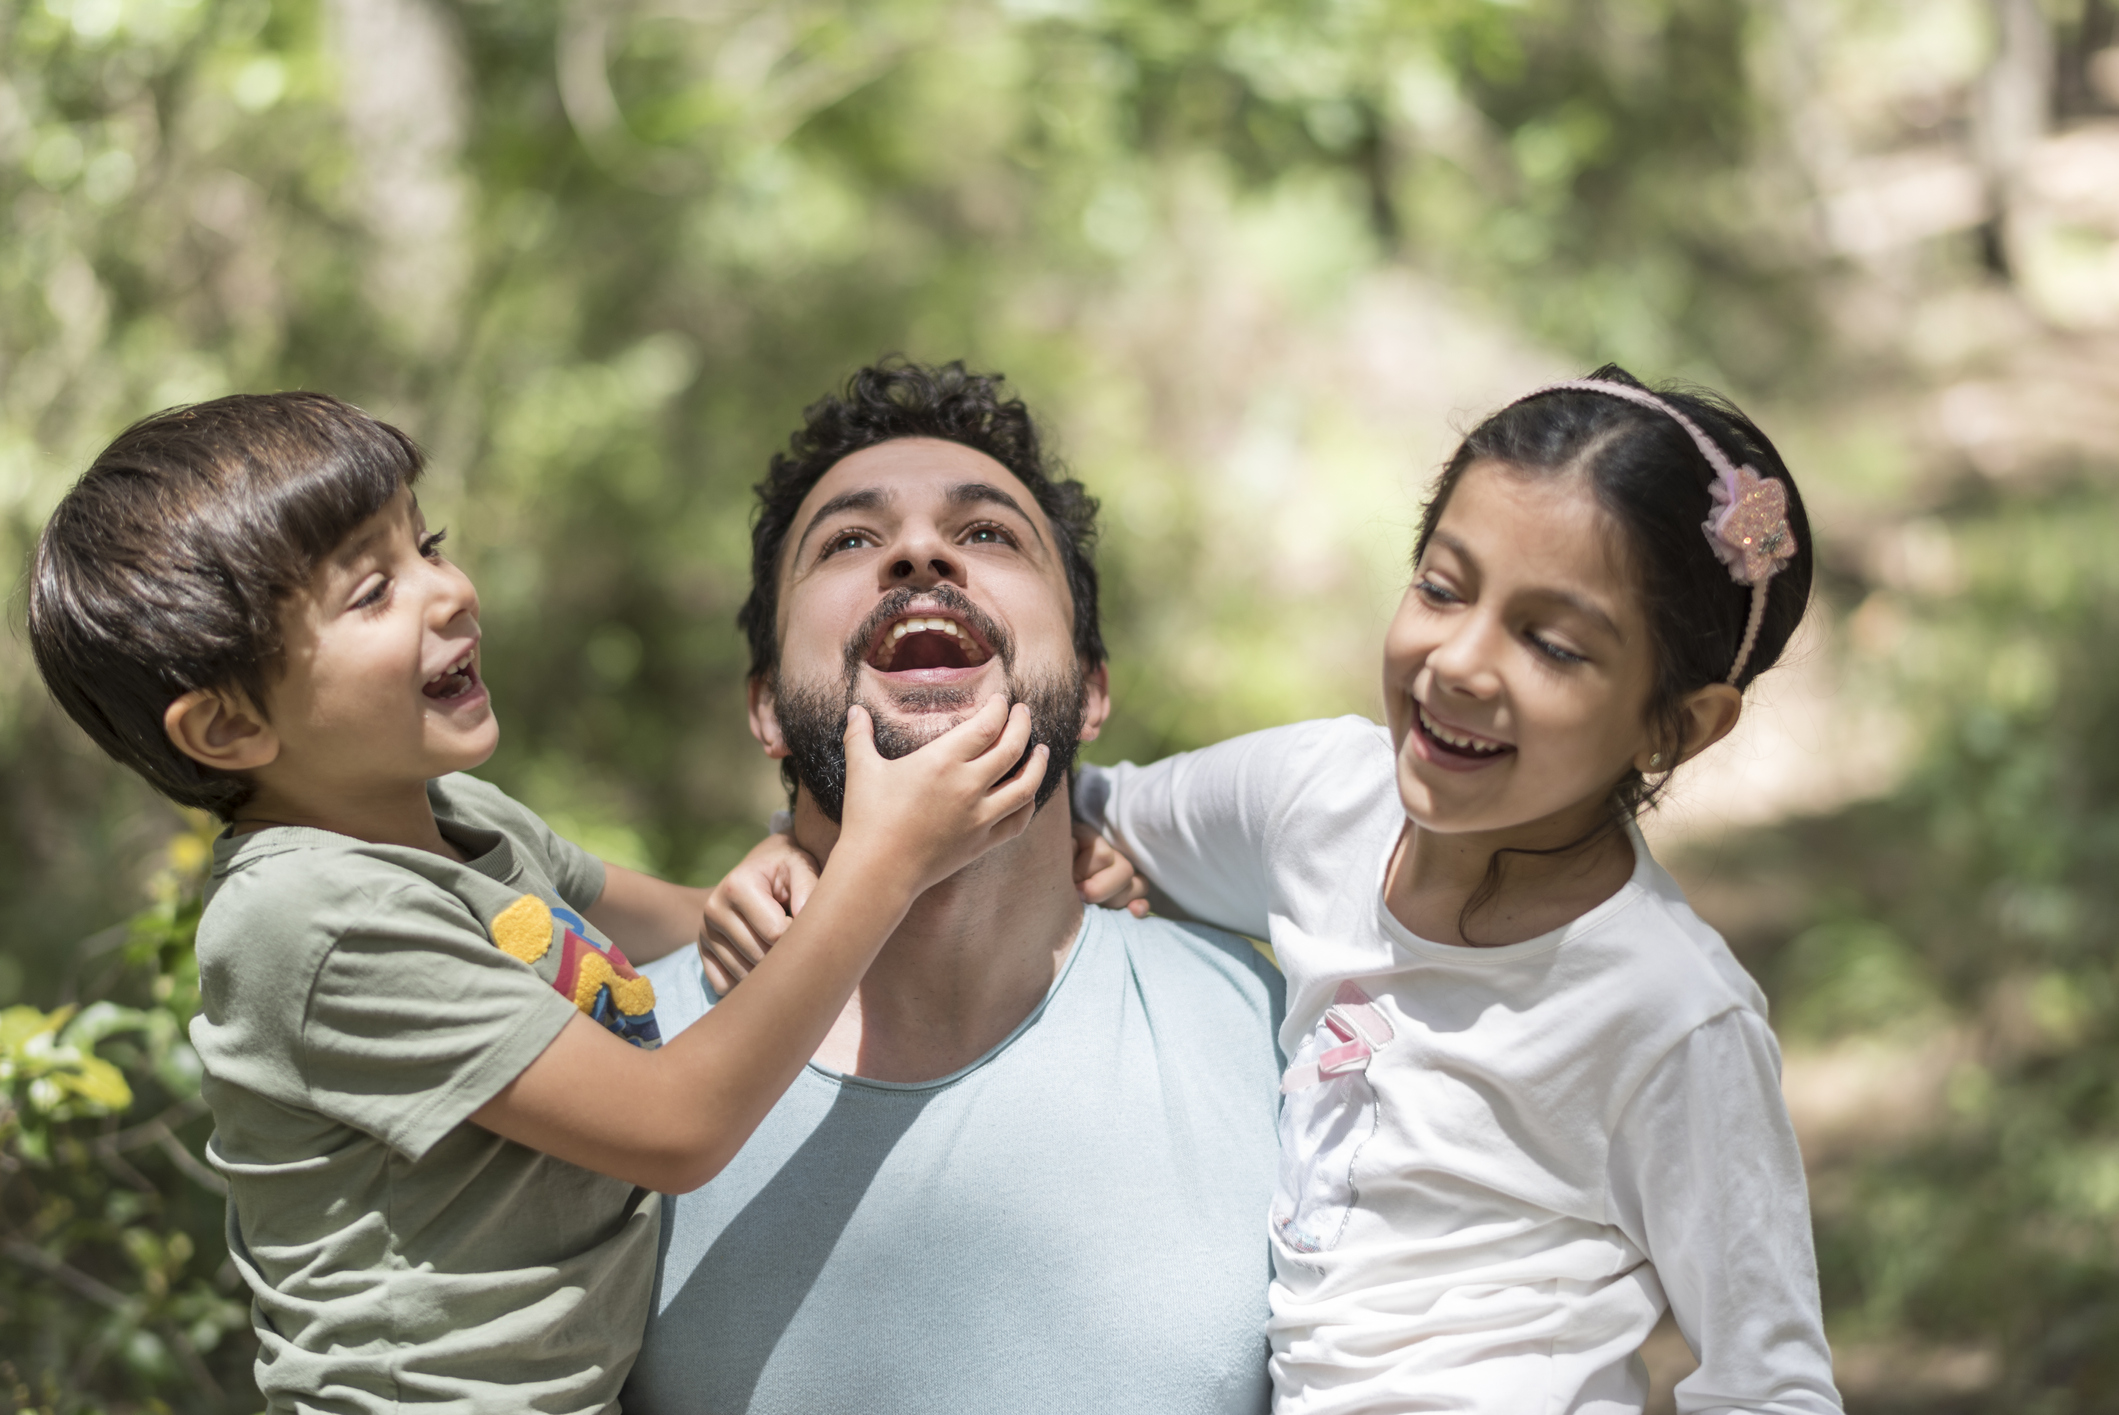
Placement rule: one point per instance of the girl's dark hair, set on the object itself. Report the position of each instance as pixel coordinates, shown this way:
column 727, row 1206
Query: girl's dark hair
column 165, row 567
column 1653, row 482
column 897, row 398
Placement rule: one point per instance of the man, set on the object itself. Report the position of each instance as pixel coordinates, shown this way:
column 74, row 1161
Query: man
column 1029, row 1168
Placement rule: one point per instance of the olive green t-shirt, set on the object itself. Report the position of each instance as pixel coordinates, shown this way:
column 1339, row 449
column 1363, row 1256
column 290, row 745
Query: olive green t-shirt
column 358, row 1003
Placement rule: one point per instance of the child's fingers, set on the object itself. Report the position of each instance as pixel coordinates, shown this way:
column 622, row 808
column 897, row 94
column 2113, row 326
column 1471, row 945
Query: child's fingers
column 1008, row 748
column 719, row 981
column 860, row 738
column 1017, row 793
column 798, row 878
column 745, row 908
column 974, row 736
column 1113, row 885
column 1138, row 908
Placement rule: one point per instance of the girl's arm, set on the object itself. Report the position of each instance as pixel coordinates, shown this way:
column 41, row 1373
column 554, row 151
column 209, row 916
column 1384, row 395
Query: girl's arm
column 1708, row 1182
column 1199, row 824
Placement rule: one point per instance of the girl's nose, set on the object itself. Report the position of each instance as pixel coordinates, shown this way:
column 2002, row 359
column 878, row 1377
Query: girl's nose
column 1465, row 662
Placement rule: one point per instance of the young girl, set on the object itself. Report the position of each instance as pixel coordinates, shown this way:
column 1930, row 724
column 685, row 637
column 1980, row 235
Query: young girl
column 1532, row 1099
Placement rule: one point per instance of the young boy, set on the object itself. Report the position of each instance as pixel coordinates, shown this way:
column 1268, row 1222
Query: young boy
column 415, row 1014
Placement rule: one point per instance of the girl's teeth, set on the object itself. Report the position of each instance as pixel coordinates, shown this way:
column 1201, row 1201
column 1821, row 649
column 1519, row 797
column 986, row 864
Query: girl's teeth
column 1442, row 734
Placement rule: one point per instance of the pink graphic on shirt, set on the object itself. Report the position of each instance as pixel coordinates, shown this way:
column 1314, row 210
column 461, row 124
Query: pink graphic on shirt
column 1329, row 1114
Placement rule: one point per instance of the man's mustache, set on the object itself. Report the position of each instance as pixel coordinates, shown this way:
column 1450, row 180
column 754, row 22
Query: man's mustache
column 894, row 605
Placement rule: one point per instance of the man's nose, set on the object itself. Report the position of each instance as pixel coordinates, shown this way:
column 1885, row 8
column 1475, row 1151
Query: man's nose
column 922, row 557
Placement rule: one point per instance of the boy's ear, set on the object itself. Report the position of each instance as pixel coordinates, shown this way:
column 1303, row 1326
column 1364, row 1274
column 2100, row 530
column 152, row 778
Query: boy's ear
column 219, row 729
column 765, row 719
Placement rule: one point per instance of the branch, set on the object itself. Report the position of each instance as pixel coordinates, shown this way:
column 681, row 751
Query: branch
column 66, row 1276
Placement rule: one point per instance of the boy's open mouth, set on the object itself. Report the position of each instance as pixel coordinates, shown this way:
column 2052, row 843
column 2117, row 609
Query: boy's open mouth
column 927, row 640
column 457, row 679
column 1455, row 743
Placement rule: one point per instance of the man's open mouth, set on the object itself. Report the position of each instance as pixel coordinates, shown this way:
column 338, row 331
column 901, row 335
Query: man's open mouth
column 456, row 680
column 1456, row 743
column 927, row 640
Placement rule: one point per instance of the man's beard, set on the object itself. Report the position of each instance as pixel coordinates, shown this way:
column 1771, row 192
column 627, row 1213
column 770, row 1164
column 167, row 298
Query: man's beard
column 813, row 718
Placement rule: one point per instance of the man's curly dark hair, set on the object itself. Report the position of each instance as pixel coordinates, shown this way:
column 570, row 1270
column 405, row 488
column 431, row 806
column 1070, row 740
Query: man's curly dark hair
column 898, row 398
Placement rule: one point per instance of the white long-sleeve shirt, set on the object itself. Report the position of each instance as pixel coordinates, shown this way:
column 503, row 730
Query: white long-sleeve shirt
column 1499, row 1165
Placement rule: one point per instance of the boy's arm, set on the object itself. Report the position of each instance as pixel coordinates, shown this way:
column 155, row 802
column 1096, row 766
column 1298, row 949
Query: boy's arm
column 670, row 1119
column 648, row 917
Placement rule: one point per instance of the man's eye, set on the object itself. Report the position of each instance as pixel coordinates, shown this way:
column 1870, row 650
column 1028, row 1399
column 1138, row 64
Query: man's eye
column 852, row 540
column 988, row 535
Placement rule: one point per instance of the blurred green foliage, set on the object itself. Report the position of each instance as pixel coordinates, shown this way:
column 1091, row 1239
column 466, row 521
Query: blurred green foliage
column 597, row 256
column 1977, row 908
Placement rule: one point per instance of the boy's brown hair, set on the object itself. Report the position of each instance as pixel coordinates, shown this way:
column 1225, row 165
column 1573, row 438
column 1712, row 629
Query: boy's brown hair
column 164, row 569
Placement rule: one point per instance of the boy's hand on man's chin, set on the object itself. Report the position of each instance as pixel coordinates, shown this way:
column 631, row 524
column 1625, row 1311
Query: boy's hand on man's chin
column 934, row 811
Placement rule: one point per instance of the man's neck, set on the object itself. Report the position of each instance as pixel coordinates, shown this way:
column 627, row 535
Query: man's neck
column 975, row 956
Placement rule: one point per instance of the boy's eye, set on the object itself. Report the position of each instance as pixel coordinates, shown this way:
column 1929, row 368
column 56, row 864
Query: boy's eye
column 430, row 546
column 374, row 594
column 1435, row 593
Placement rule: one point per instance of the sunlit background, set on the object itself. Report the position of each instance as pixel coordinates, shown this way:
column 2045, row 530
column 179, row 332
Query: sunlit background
column 1256, row 263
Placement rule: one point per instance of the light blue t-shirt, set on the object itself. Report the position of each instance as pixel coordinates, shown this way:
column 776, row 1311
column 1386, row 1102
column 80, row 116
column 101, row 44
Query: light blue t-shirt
column 1076, row 1222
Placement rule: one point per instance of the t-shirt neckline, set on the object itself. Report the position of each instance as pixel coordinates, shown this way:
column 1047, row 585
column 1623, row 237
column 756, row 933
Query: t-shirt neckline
column 1405, row 940
column 1066, row 970
column 494, row 857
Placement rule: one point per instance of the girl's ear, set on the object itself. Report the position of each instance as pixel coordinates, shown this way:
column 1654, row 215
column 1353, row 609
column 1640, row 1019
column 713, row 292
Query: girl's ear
column 221, row 730
column 1708, row 715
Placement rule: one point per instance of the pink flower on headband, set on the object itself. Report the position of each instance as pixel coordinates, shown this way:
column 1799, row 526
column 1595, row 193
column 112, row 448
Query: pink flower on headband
column 1749, row 529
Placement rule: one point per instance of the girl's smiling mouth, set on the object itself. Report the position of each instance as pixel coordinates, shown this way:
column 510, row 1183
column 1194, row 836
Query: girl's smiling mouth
column 1452, row 748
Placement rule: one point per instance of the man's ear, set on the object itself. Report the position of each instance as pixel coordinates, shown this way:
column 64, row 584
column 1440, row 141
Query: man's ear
column 1096, row 701
column 1709, row 715
column 220, row 729
column 765, row 719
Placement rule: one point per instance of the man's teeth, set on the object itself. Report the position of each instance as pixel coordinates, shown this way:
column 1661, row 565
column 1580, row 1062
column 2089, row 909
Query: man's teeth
column 927, row 626
column 1469, row 744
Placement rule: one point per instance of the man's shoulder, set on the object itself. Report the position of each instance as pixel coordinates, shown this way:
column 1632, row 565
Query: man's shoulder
column 1211, row 967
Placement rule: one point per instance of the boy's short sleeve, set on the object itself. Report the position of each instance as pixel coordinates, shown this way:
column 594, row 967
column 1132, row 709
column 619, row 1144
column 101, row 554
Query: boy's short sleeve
column 576, row 873
column 401, row 1020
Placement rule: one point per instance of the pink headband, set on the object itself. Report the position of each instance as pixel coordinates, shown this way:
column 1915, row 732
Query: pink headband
column 1748, row 529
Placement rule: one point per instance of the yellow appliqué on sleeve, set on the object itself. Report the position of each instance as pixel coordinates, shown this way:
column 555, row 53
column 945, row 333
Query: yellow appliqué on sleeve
column 634, row 995
column 524, row 929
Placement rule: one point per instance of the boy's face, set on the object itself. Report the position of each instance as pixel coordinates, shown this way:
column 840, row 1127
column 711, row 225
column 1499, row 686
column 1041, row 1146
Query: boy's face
column 381, row 685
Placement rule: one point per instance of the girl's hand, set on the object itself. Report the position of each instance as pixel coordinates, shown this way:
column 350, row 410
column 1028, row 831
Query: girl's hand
column 1104, row 875
column 752, row 906
column 934, row 811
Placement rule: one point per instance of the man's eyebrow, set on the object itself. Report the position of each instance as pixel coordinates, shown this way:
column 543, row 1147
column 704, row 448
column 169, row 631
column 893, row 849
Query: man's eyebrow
column 1587, row 608
column 973, row 493
column 867, row 498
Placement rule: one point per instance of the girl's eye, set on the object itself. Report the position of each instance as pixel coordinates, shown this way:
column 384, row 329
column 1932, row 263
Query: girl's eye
column 1554, row 652
column 430, row 547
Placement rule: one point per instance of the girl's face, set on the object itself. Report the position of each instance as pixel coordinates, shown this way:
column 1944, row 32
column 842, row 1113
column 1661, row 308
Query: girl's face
column 1517, row 673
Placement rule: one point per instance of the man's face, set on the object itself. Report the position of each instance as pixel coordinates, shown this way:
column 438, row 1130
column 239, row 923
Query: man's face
column 920, row 578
